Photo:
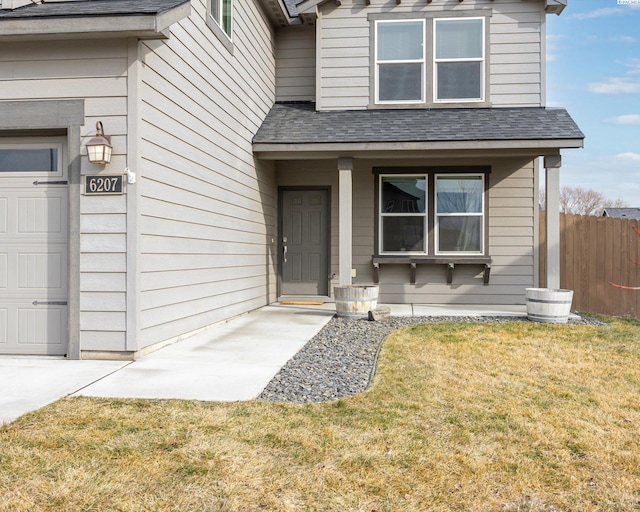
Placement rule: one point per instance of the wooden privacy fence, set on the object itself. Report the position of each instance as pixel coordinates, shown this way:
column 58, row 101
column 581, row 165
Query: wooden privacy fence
column 595, row 251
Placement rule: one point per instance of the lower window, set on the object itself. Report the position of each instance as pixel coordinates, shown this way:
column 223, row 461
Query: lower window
column 431, row 213
column 403, row 217
column 459, row 214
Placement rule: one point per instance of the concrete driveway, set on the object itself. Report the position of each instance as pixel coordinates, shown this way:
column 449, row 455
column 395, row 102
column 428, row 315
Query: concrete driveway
column 30, row 383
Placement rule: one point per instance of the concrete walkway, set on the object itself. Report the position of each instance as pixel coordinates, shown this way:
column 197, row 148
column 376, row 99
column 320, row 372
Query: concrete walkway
column 230, row 361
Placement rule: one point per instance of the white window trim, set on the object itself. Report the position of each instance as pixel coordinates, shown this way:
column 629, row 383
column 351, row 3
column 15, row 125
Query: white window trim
column 60, row 172
column 429, row 67
column 436, row 61
column 438, row 215
column 424, row 214
column 422, row 61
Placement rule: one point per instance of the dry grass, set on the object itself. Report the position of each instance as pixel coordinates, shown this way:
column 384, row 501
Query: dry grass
column 468, row 417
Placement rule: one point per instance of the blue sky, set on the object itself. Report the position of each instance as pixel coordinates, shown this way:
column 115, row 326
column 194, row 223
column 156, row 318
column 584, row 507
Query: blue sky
column 593, row 70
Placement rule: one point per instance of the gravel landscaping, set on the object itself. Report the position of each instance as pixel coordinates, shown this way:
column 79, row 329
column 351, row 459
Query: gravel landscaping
column 340, row 360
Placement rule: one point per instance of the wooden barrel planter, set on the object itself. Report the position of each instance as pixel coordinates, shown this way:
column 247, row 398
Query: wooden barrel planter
column 355, row 301
column 548, row 305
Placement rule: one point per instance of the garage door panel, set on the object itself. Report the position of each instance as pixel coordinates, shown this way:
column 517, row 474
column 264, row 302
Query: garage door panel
column 42, row 271
column 33, row 330
column 41, row 215
column 4, row 268
column 4, row 325
column 4, row 214
column 41, row 326
column 34, row 271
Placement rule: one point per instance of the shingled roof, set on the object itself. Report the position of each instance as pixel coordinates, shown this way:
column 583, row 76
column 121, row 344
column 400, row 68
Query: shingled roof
column 299, row 123
column 92, row 8
column 622, row 213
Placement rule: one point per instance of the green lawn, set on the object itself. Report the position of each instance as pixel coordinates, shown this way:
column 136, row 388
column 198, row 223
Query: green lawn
column 496, row 417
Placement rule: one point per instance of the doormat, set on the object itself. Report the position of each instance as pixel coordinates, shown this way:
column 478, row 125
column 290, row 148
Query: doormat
column 301, row 303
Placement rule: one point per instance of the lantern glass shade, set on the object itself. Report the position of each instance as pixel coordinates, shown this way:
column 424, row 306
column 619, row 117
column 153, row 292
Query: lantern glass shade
column 99, row 147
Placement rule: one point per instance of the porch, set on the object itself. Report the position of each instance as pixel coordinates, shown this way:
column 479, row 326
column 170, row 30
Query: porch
column 455, row 311
column 435, row 206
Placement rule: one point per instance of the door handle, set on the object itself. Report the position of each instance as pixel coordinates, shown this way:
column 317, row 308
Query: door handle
column 284, row 253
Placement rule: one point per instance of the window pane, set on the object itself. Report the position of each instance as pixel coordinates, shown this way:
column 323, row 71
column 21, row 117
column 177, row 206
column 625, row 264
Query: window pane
column 215, row 10
column 459, row 234
column 400, row 40
column 403, row 234
column 459, row 194
column 400, row 82
column 29, row 160
column 459, row 80
column 459, row 39
column 403, row 195
column 226, row 16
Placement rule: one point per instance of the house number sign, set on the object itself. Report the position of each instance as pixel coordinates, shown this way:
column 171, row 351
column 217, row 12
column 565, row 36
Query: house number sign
column 103, row 185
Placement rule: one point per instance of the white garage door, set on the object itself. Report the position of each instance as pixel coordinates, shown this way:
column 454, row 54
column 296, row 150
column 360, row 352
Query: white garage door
column 33, row 248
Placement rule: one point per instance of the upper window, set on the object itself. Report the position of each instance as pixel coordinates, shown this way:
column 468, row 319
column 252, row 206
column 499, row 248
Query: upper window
column 221, row 11
column 400, row 61
column 426, row 61
column 453, row 224
column 459, row 59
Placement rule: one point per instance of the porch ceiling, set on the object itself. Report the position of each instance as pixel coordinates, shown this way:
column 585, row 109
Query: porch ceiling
column 296, row 130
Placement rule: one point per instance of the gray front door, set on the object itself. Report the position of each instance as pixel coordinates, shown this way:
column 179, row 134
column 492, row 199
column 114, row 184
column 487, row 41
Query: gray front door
column 304, row 242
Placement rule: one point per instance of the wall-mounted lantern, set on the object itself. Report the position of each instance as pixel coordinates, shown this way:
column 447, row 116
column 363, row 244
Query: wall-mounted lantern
column 99, row 147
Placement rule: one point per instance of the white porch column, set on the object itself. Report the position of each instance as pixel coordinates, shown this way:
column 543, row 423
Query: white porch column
column 552, row 166
column 345, row 214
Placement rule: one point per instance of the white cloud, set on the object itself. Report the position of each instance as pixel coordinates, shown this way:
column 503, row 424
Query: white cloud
column 625, row 39
column 625, row 119
column 629, row 84
column 634, row 64
column 616, row 86
column 553, row 46
column 599, row 13
column 629, row 156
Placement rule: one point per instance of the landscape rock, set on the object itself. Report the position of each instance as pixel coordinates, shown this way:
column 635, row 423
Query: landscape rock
column 341, row 359
column 380, row 313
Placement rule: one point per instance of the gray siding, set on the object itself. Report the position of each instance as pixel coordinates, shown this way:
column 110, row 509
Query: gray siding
column 511, row 234
column 296, row 64
column 515, row 57
column 97, row 71
column 207, row 207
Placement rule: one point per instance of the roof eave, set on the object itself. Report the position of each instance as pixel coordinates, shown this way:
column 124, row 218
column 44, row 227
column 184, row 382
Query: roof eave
column 536, row 147
column 277, row 11
column 555, row 6
column 144, row 26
